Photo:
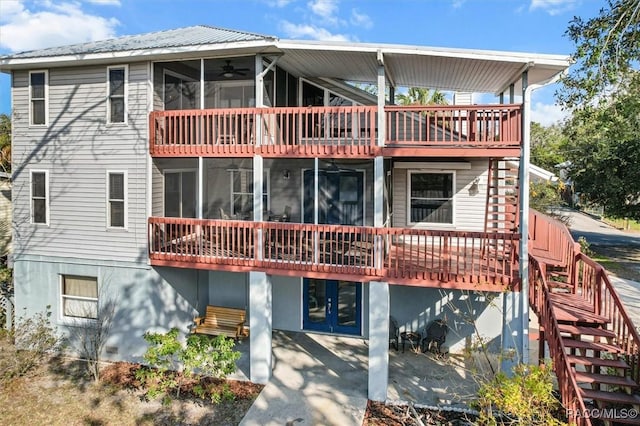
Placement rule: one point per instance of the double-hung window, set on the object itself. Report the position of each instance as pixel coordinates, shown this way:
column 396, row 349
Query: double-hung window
column 431, row 197
column 117, row 199
column 39, row 196
column 79, row 297
column 117, row 94
column 38, row 83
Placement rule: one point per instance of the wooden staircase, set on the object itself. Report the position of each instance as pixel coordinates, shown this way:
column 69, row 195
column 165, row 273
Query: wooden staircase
column 591, row 340
column 501, row 213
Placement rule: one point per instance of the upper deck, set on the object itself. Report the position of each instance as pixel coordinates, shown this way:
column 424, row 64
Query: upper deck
column 347, row 131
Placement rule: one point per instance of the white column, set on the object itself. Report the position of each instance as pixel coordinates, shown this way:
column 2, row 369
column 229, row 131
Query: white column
column 200, row 187
column 260, row 323
column 378, row 340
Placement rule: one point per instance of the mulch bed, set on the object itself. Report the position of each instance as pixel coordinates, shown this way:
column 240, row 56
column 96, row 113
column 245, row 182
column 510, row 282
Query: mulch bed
column 123, row 375
column 380, row 414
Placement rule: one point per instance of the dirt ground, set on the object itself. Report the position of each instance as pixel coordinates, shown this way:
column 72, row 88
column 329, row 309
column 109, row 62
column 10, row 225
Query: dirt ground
column 59, row 392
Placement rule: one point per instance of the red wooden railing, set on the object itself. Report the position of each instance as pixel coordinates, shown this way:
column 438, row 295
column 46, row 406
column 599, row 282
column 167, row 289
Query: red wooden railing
column 329, row 131
column 309, row 131
column 552, row 245
column 402, row 256
column 595, row 286
column 540, row 299
column 438, row 125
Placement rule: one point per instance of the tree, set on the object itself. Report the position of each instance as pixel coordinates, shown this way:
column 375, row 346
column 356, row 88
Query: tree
column 605, row 150
column 5, row 143
column 547, row 146
column 607, row 47
column 421, row 96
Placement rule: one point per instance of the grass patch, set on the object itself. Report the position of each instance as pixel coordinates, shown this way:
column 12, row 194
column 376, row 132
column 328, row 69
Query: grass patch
column 620, row 268
column 624, row 224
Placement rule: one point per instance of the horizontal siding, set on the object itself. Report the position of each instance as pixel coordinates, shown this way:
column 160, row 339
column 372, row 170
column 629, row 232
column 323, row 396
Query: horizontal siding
column 77, row 148
column 469, row 206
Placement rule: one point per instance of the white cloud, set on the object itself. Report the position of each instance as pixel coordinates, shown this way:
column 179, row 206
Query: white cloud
column 547, row 114
column 311, row 32
column 361, row 20
column 554, row 7
column 105, row 2
column 49, row 23
column 327, row 10
column 278, row 3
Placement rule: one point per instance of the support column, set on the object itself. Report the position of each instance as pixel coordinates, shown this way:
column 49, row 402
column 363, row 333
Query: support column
column 260, row 323
column 379, row 306
column 515, row 327
column 200, row 209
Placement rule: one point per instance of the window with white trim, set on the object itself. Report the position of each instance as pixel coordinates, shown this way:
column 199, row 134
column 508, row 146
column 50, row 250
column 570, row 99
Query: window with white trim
column 431, row 196
column 79, row 296
column 38, row 81
column 116, row 199
column 117, row 92
column 39, row 197
column 242, row 192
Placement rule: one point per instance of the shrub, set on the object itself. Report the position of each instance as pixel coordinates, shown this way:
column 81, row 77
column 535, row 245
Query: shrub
column 213, row 357
column 525, row 398
column 34, row 338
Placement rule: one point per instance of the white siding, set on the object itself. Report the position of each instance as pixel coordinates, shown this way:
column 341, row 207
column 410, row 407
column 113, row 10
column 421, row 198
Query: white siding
column 77, row 147
column 469, row 204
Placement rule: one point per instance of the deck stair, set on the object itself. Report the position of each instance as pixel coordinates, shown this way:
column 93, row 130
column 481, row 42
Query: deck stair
column 501, row 214
column 592, row 340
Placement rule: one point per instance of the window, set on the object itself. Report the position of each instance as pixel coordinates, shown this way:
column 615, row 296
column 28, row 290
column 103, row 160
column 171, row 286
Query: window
column 79, row 297
column 117, row 199
column 38, row 97
column 39, row 197
column 431, row 197
column 242, row 193
column 117, row 94
column 180, row 193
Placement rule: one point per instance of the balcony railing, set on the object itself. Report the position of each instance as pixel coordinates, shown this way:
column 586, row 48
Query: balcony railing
column 475, row 260
column 330, row 131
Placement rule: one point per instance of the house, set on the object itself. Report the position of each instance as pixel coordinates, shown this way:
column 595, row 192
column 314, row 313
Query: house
column 204, row 166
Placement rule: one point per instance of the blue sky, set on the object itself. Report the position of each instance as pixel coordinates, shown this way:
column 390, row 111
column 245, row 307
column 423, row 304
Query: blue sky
column 516, row 25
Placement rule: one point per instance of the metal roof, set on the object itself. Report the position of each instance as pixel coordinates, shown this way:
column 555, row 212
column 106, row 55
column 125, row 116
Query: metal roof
column 180, row 37
column 437, row 68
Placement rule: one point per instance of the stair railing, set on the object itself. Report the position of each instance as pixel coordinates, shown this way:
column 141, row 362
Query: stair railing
column 541, row 302
column 596, row 287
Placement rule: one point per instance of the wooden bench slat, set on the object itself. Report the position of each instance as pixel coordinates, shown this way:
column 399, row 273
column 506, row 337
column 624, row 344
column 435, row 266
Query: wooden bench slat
column 219, row 320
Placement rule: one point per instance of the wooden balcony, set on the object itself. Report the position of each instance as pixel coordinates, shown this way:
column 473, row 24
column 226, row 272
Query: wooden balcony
column 485, row 131
column 446, row 259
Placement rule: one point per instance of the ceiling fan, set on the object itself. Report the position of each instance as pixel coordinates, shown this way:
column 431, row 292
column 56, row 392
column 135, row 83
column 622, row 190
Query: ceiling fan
column 229, row 71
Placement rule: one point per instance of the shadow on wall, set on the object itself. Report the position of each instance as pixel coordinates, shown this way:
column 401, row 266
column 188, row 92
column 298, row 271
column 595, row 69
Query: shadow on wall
column 472, row 317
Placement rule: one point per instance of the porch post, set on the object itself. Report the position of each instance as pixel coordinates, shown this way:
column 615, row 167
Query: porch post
column 260, row 323
column 515, row 326
column 200, row 187
column 379, row 306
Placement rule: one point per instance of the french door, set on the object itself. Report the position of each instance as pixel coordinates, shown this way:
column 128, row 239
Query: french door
column 340, row 197
column 332, row 306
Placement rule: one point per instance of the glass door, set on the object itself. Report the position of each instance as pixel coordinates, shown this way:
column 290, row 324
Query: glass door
column 340, row 197
column 332, row 306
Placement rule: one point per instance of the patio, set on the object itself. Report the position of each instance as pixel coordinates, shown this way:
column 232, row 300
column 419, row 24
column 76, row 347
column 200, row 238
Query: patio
column 323, row 378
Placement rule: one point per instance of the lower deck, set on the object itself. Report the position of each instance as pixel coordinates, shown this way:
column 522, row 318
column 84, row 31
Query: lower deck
column 445, row 259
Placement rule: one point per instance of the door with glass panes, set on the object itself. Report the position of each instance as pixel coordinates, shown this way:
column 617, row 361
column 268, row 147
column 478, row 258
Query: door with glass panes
column 332, row 306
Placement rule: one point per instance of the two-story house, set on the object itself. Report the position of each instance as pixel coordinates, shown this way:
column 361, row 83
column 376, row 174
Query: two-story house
column 202, row 166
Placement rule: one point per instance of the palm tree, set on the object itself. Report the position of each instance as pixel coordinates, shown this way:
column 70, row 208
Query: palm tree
column 5, row 143
column 422, row 96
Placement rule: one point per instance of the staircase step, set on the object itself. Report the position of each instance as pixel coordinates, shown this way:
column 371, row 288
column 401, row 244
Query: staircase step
column 559, row 284
column 597, row 362
column 586, row 331
column 594, row 346
column 583, row 377
column 611, row 397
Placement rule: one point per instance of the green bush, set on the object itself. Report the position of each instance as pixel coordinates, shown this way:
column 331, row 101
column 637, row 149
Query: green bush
column 524, row 398
column 166, row 355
